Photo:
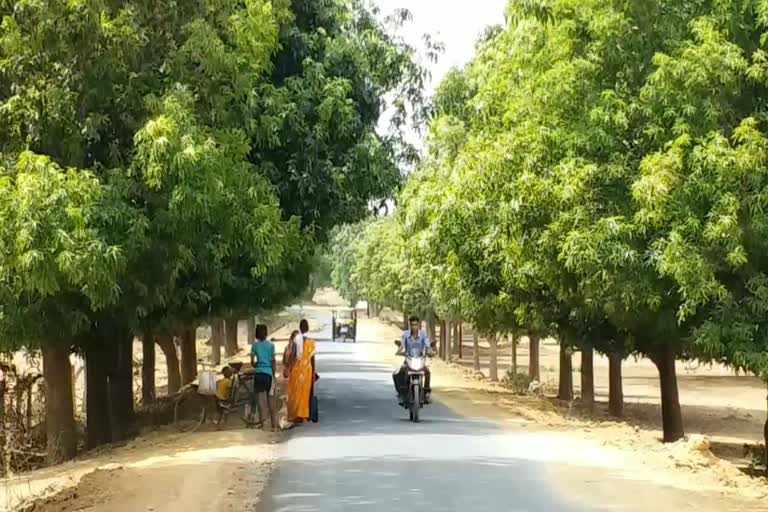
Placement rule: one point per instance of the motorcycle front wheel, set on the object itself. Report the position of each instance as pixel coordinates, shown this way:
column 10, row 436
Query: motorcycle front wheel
column 415, row 404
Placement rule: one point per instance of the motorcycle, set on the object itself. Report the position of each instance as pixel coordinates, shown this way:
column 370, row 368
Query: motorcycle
column 415, row 364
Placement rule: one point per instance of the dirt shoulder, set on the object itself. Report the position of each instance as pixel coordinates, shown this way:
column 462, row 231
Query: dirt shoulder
column 164, row 470
column 687, row 465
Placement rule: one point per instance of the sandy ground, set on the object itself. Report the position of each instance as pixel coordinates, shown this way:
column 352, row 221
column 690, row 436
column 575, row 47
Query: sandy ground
column 165, row 470
column 716, row 402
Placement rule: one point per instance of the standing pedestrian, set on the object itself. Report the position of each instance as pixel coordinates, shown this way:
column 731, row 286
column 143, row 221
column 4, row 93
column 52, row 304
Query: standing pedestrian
column 263, row 361
column 302, row 377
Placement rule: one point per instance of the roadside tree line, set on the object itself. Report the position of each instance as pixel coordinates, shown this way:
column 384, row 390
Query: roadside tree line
column 597, row 173
column 165, row 164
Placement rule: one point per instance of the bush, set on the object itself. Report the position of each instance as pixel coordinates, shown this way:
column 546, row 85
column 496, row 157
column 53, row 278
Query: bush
column 518, row 382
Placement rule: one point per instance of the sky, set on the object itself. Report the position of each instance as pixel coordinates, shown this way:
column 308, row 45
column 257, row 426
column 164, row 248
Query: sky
column 456, row 23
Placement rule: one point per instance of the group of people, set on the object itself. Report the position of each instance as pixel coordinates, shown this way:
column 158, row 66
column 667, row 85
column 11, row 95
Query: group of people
column 298, row 371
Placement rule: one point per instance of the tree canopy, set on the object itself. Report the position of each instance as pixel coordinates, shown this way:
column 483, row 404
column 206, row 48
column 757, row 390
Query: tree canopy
column 164, row 163
column 595, row 173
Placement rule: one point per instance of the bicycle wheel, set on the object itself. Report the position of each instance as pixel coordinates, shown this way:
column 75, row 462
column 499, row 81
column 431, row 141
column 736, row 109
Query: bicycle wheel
column 201, row 418
column 187, row 425
column 249, row 413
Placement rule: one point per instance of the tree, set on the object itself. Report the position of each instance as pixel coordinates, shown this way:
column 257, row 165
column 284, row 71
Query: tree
column 342, row 251
column 576, row 185
column 136, row 132
column 50, row 220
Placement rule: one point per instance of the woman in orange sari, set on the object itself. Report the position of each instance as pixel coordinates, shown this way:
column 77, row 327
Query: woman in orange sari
column 302, row 377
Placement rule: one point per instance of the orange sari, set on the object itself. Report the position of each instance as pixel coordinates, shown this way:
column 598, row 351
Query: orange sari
column 300, row 384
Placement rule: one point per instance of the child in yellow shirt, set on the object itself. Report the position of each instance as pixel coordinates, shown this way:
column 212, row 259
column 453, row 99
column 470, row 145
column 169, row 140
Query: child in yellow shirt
column 223, row 391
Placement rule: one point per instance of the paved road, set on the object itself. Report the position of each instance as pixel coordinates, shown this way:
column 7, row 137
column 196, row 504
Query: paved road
column 365, row 455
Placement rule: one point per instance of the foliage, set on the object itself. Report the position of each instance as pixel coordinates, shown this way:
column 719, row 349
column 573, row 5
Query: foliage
column 209, row 130
column 162, row 163
column 341, row 254
column 596, row 173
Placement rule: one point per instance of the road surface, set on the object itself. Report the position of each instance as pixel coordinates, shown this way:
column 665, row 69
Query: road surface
column 365, row 455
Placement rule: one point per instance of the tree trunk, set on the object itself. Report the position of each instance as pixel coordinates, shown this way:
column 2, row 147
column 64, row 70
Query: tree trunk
column 231, row 347
column 188, row 355
column 120, row 387
column 515, row 341
column 2, row 400
column 443, row 339
column 61, row 441
column 5, row 462
column 85, row 390
column 615, row 386
column 449, row 342
column 765, row 440
column 97, row 424
column 588, row 376
column 476, row 351
column 494, row 364
column 431, row 327
column 672, row 416
column 217, row 336
column 148, row 367
column 72, row 379
column 405, row 320
column 19, row 399
column 533, row 357
column 250, row 322
column 461, row 340
column 171, row 362
column 29, row 407
column 565, row 381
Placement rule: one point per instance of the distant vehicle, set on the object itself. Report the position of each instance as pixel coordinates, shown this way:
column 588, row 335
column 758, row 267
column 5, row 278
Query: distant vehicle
column 344, row 325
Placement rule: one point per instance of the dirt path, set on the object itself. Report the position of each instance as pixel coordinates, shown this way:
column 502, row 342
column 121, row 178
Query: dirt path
column 165, row 471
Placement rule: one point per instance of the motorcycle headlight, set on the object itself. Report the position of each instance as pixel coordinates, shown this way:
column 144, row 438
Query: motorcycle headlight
column 416, row 364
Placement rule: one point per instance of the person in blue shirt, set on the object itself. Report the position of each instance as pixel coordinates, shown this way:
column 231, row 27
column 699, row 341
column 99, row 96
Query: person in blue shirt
column 263, row 362
column 410, row 338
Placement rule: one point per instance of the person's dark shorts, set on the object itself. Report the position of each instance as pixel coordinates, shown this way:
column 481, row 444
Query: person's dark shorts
column 262, row 383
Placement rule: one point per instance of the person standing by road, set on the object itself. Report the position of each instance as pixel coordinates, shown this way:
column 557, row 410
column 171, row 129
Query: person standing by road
column 290, row 355
column 263, row 361
column 302, row 377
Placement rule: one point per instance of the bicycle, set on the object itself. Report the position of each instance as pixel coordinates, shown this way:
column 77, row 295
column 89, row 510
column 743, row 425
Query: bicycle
column 242, row 398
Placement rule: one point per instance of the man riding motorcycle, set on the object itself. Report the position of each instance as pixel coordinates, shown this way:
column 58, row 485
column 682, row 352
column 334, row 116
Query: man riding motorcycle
column 410, row 338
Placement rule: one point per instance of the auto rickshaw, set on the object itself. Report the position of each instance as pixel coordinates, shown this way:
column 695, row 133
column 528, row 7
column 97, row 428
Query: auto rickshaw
column 345, row 325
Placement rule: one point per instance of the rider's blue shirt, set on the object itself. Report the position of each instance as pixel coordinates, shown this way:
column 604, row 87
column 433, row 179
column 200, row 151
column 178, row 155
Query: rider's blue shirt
column 408, row 340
